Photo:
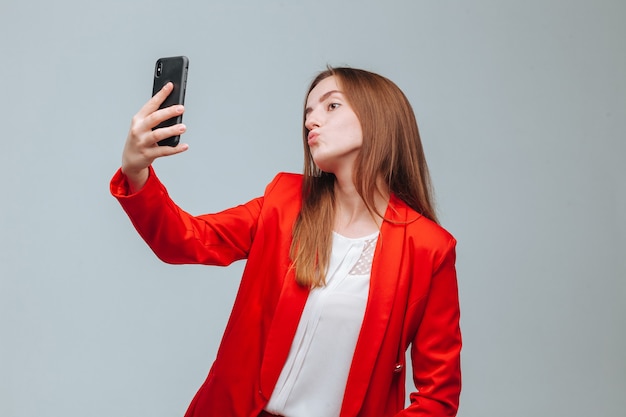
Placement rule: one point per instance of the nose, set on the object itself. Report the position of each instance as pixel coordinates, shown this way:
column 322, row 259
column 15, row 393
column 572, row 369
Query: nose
column 311, row 121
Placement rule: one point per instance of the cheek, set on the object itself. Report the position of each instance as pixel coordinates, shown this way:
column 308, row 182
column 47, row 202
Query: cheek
column 357, row 133
column 356, row 127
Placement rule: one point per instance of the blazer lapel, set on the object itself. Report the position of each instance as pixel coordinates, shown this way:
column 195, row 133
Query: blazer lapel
column 383, row 284
column 282, row 331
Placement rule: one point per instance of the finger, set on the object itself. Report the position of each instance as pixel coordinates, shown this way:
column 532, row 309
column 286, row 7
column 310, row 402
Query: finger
column 156, row 100
column 155, row 118
column 164, row 151
column 171, row 150
column 167, row 132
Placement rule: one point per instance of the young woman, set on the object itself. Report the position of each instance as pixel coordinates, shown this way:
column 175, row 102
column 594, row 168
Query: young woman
column 346, row 265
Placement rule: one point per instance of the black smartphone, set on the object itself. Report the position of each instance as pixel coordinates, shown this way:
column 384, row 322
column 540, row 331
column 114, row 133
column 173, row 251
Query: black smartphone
column 172, row 69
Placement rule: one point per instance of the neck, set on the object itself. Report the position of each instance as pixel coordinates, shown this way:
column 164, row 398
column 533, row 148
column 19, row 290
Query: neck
column 352, row 216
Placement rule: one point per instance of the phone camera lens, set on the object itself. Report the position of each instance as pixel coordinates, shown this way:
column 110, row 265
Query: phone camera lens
column 159, row 69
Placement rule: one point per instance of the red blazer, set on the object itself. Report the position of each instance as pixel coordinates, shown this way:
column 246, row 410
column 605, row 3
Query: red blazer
column 413, row 301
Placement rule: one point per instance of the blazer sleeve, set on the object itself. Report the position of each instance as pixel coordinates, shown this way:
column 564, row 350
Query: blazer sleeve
column 436, row 348
column 176, row 236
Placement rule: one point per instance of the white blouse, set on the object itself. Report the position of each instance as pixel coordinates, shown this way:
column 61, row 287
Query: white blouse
column 313, row 379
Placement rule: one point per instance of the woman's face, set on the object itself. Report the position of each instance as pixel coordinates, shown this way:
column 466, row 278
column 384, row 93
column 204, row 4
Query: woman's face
column 335, row 135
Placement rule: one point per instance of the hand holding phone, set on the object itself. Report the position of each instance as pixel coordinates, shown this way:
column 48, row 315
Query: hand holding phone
column 140, row 149
column 174, row 70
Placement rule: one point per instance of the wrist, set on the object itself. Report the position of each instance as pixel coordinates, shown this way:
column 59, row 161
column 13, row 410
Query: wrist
column 136, row 179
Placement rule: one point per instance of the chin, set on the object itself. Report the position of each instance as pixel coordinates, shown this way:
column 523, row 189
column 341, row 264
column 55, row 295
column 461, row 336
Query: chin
column 323, row 165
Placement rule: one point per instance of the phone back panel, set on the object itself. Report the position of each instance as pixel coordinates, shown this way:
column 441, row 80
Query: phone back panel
column 172, row 69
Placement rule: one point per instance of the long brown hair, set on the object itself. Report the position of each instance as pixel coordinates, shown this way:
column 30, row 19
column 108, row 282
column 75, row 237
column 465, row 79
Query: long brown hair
column 391, row 150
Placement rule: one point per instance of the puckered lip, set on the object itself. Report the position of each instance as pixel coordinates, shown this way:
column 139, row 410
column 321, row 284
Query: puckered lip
column 312, row 137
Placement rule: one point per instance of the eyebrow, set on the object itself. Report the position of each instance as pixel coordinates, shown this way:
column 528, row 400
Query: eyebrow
column 322, row 98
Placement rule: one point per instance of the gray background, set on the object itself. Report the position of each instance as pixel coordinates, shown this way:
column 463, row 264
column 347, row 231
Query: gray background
column 521, row 107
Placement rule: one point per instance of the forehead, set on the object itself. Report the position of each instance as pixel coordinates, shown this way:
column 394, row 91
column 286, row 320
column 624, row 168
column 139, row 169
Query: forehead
column 325, row 86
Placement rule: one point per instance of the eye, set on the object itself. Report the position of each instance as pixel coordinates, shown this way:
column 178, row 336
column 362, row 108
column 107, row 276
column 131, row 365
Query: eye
column 333, row 106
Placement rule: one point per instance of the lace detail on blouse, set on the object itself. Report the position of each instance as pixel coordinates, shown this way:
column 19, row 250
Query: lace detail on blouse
column 364, row 265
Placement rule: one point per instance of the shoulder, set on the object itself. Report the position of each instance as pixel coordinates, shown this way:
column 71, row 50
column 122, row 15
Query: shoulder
column 421, row 232
column 428, row 237
column 284, row 180
column 426, row 227
column 285, row 186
